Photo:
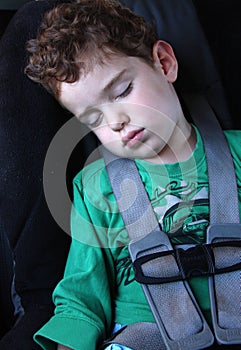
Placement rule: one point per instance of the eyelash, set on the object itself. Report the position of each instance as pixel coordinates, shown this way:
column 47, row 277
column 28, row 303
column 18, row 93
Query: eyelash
column 126, row 92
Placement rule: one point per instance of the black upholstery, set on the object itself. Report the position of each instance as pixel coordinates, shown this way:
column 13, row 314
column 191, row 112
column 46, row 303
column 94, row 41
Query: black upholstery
column 220, row 20
column 5, row 17
column 30, row 117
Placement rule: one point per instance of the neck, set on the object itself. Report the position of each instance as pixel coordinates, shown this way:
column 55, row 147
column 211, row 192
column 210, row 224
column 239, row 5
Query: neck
column 180, row 148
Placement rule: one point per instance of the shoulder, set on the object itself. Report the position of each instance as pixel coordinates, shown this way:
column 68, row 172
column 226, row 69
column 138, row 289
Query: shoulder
column 90, row 173
column 92, row 182
column 233, row 136
column 234, row 140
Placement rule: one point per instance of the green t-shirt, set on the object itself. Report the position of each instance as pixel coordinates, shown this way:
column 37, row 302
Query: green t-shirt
column 98, row 287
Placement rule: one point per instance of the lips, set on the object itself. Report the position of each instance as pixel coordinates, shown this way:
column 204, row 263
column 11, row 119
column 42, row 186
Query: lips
column 133, row 137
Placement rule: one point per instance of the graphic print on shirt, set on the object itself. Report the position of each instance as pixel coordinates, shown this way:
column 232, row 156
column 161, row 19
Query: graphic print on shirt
column 183, row 212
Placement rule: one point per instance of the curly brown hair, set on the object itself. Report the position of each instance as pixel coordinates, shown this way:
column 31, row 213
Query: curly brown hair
column 74, row 37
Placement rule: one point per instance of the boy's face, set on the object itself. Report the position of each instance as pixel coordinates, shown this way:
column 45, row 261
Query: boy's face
column 131, row 106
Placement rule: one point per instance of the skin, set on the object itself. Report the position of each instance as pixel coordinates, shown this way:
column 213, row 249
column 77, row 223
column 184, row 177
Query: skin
column 133, row 108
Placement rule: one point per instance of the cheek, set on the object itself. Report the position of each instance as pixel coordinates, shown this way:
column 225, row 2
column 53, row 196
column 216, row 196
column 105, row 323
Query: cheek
column 104, row 134
column 160, row 95
column 144, row 96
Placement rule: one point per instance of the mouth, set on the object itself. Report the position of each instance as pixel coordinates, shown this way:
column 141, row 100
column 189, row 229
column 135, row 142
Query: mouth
column 133, row 137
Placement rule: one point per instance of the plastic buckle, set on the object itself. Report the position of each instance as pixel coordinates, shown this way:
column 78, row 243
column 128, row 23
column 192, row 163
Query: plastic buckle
column 195, row 261
column 192, row 262
column 149, row 243
column 154, row 245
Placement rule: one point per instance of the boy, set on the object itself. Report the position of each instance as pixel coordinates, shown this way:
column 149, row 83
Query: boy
column 105, row 65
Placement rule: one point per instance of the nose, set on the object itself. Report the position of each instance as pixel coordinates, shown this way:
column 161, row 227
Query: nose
column 117, row 125
column 117, row 120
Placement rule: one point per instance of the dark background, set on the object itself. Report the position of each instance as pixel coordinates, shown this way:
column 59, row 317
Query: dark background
column 221, row 21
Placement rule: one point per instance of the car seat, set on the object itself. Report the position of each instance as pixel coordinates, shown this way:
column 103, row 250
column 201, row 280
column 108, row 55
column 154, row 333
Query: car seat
column 30, row 117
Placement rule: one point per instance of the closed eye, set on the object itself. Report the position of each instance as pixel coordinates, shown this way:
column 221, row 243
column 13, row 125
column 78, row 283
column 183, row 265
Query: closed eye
column 91, row 118
column 96, row 121
column 126, row 92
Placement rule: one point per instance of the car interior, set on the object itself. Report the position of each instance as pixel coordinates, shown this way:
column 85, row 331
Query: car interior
column 34, row 248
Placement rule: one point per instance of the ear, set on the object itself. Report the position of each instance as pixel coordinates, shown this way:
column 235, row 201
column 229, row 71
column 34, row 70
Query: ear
column 164, row 58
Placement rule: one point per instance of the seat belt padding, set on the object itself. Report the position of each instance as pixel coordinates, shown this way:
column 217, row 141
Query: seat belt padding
column 224, row 289
column 176, row 312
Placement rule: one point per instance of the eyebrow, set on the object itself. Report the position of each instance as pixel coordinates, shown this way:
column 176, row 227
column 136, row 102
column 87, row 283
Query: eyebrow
column 114, row 80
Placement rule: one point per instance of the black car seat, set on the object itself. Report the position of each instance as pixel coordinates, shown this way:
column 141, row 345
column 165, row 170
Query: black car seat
column 30, row 117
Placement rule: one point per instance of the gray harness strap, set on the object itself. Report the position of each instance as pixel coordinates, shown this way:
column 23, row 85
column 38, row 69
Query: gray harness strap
column 224, row 226
column 176, row 312
column 224, row 203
